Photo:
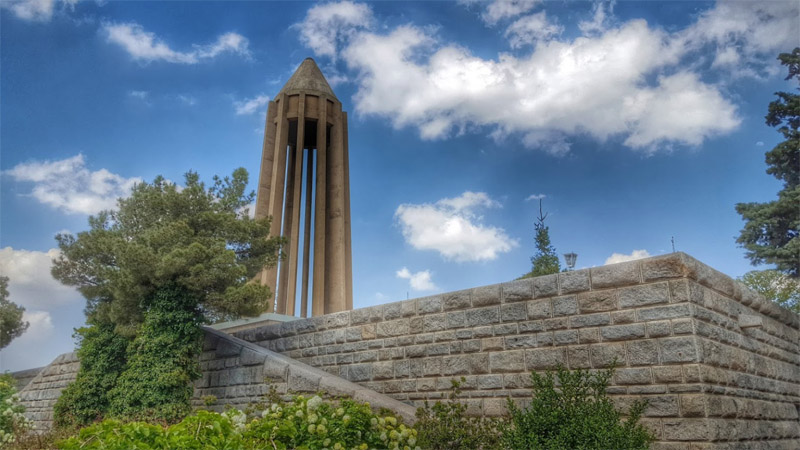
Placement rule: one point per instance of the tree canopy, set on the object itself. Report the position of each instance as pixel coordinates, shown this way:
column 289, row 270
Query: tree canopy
column 545, row 261
column 11, row 324
column 196, row 238
column 771, row 233
column 775, row 286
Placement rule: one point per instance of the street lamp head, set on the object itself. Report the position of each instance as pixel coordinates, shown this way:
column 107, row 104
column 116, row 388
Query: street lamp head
column 570, row 259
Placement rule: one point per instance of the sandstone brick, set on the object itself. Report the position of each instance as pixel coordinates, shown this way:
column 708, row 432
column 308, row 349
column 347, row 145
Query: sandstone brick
column 456, row 300
column 545, row 358
column 545, row 286
column 663, row 267
column 574, row 281
column 518, row 290
column 514, row 312
column 590, row 320
column 677, row 350
column 486, row 295
column 604, row 355
column 623, row 332
column 693, row 405
column 614, row 275
column 566, row 305
column 483, row 316
column 490, row 344
column 540, row 309
column 643, row 295
column 642, row 352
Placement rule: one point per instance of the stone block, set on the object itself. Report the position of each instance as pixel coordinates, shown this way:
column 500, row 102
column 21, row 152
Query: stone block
column 366, row 315
column 517, row 342
column 575, row 281
column 301, row 380
column 658, row 329
column 578, row 357
column 337, row 320
column 693, row 405
column 565, row 337
column 662, row 406
column 470, row 346
column 495, row 407
column 398, row 310
column 639, row 375
column 508, row 361
column 434, row 322
column 643, row 352
column 490, row 382
column 682, row 326
column 393, row 328
column 359, row 372
column 486, row 295
column 226, row 348
column 625, row 316
column 615, row 275
column 604, row 355
column 558, row 323
column 352, row 334
column 369, row 331
column 514, row 312
column 545, row 286
column 478, row 363
column 383, row 370
column 667, row 374
column 518, row 290
column 530, row 326
column 481, row 332
column 250, row 357
column 545, row 358
column 590, row 320
column 544, row 339
column 456, row 319
column 664, row 312
column 429, row 305
column 540, row 309
column 643, row 295
column 565, row 306
column 455, row 365
column 437, row 349
column 623, row 332
column 722, row 406
column 483, row 316
column 597, row 301
column 685, row 430
column 750, row 321
column 663, row 267
column 678, row 350
column 505, row 329
column 456, row 300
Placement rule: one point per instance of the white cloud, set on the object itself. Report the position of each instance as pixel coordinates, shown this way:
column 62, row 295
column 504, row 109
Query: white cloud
column 530, row 29
column 252, row 105
column 602, row 86
column 70, row 186
column 141, row 95
column 600, row 18
column 145, row 46
column 535, row 197
column 498, row 10
column 32, row 10
column 451, row 227
column 30, row 283
column 419, row 281
column 621, row 257
column 328, row 25
column 188, row 100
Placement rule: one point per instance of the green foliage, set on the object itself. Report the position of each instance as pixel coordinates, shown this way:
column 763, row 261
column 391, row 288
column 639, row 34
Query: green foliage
column 774, row 286
column 12, row 422
column 305, row 423
column 162, row 360
column 11, row 324
column 575, row 415
column 152, row 271
column 102, row 353
column 771, row 233
column 545, row 261
column 446, row 426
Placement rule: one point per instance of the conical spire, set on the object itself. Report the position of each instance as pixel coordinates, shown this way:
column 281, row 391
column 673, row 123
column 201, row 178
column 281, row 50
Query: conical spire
column 308, row 77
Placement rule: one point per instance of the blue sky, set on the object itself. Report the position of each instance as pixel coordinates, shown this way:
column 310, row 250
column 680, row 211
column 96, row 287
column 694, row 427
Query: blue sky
column 635, row 121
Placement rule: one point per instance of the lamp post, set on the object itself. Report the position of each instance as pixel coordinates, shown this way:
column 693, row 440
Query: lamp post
column 570, row 259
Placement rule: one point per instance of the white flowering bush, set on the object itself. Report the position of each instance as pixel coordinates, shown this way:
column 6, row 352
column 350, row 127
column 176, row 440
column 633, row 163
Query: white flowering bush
column 303, row 424
column 12, row 422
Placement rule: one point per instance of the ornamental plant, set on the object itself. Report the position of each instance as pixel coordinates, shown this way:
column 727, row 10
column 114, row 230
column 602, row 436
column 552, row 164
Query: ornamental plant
column 12, row 422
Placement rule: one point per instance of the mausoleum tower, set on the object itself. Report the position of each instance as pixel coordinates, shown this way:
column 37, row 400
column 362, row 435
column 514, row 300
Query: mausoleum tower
column 304, row 184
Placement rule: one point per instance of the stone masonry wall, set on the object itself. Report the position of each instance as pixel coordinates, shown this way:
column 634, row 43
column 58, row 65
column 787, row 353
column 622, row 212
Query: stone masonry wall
column 41, row 393
column 719, row 365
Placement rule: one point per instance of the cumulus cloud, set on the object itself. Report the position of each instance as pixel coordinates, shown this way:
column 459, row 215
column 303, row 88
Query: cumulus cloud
column 252, row 105
column 30, row 283
column 531, row 29
column 328, row 25
column 70, row 186
column 452, row 227
column 498, row 10
column 146, row 47
column 621, row 257
column 32, row 10
column 601, row 16
column 419, row 281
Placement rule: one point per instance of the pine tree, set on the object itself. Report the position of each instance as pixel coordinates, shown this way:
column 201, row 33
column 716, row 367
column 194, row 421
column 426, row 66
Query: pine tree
column 545, row 261
column 11, row 324
column 771, row 233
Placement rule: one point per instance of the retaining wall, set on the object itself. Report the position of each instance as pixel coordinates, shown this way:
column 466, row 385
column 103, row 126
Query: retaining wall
column 719, row 365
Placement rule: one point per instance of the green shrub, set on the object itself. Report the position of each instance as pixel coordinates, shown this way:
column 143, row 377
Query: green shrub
column 305, row 423
column 162, row 361
column 446, row 426
column 12, row 422
column 575, row 415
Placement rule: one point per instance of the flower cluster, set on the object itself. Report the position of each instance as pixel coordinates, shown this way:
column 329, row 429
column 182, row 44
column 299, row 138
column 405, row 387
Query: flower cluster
column 12, row 421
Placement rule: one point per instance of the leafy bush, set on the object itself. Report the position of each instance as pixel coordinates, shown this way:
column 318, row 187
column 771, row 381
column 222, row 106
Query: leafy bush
column 12, row 422
column 576, row 415
column 446, row 426
column 305, row 423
